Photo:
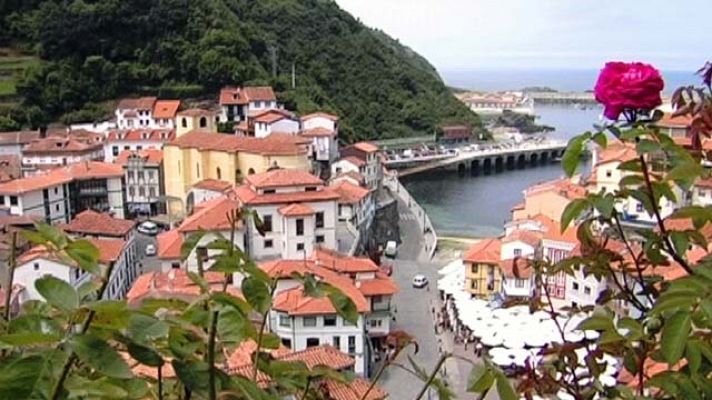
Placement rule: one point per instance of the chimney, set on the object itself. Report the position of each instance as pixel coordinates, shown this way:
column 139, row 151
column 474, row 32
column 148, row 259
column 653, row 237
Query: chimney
column 171, row 278
column 43, row 131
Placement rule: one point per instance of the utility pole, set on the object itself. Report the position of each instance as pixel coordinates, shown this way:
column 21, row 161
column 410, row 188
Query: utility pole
column 273, row 57
column 294, row 76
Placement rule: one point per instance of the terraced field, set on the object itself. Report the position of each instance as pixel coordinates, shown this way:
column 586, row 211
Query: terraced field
column 12, row 64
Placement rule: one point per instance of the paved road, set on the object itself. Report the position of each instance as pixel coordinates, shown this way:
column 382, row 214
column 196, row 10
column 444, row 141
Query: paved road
column 148, row 264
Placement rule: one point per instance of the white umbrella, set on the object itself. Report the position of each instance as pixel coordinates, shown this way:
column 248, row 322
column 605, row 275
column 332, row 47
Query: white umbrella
column 535, row 339
column 513, row 340
column 492, row 339
column 608, row 381
column 500, row 313
column 451, row 268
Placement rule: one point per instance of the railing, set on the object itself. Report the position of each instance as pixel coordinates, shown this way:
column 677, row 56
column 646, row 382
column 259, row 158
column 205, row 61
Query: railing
column 426, row 226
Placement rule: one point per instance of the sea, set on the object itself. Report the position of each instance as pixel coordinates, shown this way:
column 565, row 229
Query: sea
column 478, row 206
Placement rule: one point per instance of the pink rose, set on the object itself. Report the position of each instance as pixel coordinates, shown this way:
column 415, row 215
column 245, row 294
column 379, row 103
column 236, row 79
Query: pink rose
column 628, row 86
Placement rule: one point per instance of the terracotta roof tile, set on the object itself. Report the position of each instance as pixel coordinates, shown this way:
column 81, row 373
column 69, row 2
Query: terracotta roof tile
column 214, row 185
column 248, row 196
column 357, row 177
column 60, row 145
column 484, row 251
column 341, row 263
column 328, row 116
column 238, row 96
column 57, row 176
column 317, row 132
column 149, row 156
column 531, row 238
column 141, row 135
column 273, row 115
column 349, row 192
column 518, row 268
column 563, row 186
column 616, row 151
column 174, row 284
column 18, row 137
column 552, row 230
column 109, row 251
column 382, row 285
column 283, row 178
column 320, row 356
column 210, row 215
column 94, row 223
column 196, row 112
column 274, row 144
column 668, row 121
column 355, row 161
column 142, row 103
column 296, row 210
column 169, row 244
column 166, row 109
column 353, row 390
column 366, row 147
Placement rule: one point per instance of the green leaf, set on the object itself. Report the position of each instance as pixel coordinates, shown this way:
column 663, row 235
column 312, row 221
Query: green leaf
column 596, row 322
column 645, row 146
column 29, row 339
column 27, row 377
column 82, row 388
column 604, row 204
column 572, row 155
column 674, row 336
column 504, row 387
column 193, row 374
column 52, row 234
column 85, row 254
column 257, row 294
column 344, row 306
column 190, row 243
column 685, row 172
column 706, row 306
column 694, row 356
column 234, row 327
column 481, row 379
column 680, row 242
column 601, row 139
column 58, row 293
column 145, row 355
column 572, row 211
column 228, row 263
column 99, row 355
column 147, row 327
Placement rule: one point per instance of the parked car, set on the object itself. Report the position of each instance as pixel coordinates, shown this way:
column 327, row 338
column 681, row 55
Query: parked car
column 420, row 281
column 391, row 249
column 148, row 228
column 150, row 250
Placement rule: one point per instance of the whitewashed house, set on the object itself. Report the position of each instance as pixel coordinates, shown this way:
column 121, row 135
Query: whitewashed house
column 274, row 120
column 146, row 113
column 370, row 154
column 237, row 104
column 356, row 204
column 323, row 130
column 135, row 140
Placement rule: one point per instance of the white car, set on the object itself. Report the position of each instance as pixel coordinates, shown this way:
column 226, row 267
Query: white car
column 391, row 249
column 420, row 281
column 148, row 228
column 150, row 250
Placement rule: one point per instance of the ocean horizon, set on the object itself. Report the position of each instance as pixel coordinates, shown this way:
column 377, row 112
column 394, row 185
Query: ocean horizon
column 563, row 80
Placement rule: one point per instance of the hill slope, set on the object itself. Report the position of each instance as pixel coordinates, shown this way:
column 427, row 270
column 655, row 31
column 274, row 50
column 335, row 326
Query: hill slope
column 104, row 49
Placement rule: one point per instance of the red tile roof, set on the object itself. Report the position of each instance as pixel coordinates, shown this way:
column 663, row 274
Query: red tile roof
column 326, row 356
column 214, row 185
column 668, row 121
column 149, row 156
column 142, row 103
column 366, row 147
column 169, row 244
column 328, row 116
column 531, row 238
column 563, row 186
column 57, row 176
column 132, row 135
column 317, row 132
column 342, row 263
column 616, row 151
column 351, row 174
column 353, row 390
column 518, row 268
column 274, row 144
column 166, row 109
column 485, row 251
column 239, row 96
column 60, row 145
column 174, row 284
column 10, row 167
column 295, row 302
column 210, row 215
column 349, row 192
column 249, row 197
column 18, row 137
column 273, row 115
column 90, row 222
column 109, row 251
column 283, row 178
column 354, row 160
column 552, row 230
column 296, row 210
column 382, row 285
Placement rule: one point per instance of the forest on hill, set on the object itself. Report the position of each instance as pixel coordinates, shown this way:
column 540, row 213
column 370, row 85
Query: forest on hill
column 94, row 51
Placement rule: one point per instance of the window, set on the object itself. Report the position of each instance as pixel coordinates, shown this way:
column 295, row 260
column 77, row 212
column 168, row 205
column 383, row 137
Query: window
column 285, row 321
column 330, row 320
column 218, row 173
column 267, row 223
column 586, row 290
column 287, row 343
column 310, row 189
column 639, row 207
column 37, row 266
column 312, row 342
column 377, row 299
column 184, row 122
column 127, row 147
column 2, row 199
column 175, row 265
column 519, row 283
column 309, row 321
column 269, row 244
column 375, row 323
column 608, row 173
column 115, row 150
column 56, row 190
column 300, row 246
column 300, row 227
column 56, row 207
column 336, row 342
column 320, row 238
column 141, row 191
column 132, row 191
column 203, row 122
column 517, row 252
column 473, row 285
column 269, row 191
column 352, row 344
column 151, row 175
column 152, row 192
column 320, row 219
column 575, row 286
column 140, row 175
column 197, row 170
column 474, row 268
column 139, row 148
column 13, row 200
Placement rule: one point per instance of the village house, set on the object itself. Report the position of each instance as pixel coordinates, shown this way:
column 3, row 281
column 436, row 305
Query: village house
column 675, row 127
column 208, row 189
column 483, row 277
column 456, row 134
column 11, row 143
column 237, row 104
column 57, row 195
column 146, row 113
column 143, row 182
column 198, row 155
column 118, row 141
column 52, row 151
column 356, row 204
column 368, row 153
column 548, row 198
column 323, row 130
column 274, row 120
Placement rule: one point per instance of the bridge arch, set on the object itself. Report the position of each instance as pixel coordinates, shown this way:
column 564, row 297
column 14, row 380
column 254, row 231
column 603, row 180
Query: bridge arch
column 499, row 163
column 461, row 168
column 475, row 167
column 510, row 161
column 521, row 161
column 487, row 165
column 534, row 158
column 544, row 157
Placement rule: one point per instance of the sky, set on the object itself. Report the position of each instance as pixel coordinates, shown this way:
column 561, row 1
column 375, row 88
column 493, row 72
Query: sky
column 545, row 34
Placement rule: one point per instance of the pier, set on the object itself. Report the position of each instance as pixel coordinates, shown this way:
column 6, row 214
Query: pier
column 485, row 159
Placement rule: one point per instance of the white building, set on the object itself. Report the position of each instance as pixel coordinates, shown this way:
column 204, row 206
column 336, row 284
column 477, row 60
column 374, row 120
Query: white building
column 57, row 195
column 38, row 262
column 323, row 129
column 135, row 140
column 146, row 113
column 274, row 120
column 356, row 204
column 237, row 104
column 143, row 181
column 208, row 189
column 60, row 150
column 368, row 153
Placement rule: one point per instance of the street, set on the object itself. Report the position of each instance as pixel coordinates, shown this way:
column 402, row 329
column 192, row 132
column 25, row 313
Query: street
column 148, row 264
